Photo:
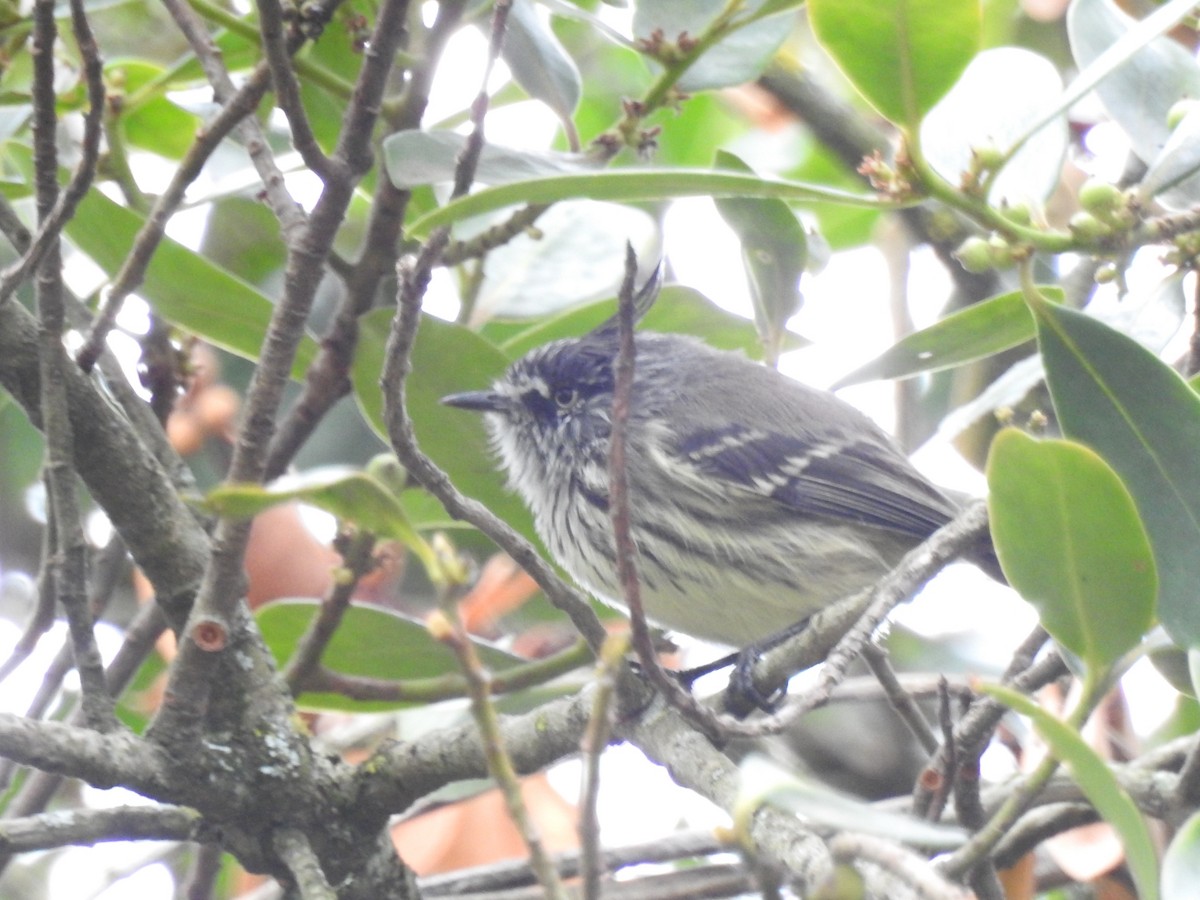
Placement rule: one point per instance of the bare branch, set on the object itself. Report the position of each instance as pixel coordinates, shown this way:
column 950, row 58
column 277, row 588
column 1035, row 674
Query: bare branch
column 86, row 827
column 220, row 607
column 53, row 217
column 287, row 88
column 66, row 568
column 510, row 874
column 297, row 853
column 103, row 760
column 899, row 699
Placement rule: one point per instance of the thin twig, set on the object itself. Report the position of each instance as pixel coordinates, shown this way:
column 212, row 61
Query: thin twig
column 906, row 865
column 450, row 686
column 516, row 873
column 67, row 567
column 499, row 763
column 414, row 278
column 201, row 879
column 495, row 236
column 357, row 560
column 87, row 827
column 40, row 619
column 592, row 746
column 294, row 849
column 287, row 89
column 52, row 217
column 914, row 570
column 899, row 699
column 619, row 507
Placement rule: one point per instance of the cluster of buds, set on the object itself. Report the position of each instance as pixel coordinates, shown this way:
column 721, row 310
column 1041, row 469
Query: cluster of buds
column 667, row 52
column 1105, row 210
column 891, row 181
column 978, row 254
column 1184, row 252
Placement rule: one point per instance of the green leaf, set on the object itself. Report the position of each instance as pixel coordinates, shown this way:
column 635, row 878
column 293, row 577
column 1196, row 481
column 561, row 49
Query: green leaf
column 1137, row 70
column 1181, row 864
column 678, row 309
column 183, row 287
column 415, row 158
column 371, row 642
column 1070, row 541
column 156, row 124
column 242, row 237
column 1105, row 59
column 446, row 359
column 350, row 494
column 1098, row 784
column 774, row 253
column 539, row 62
column 625, row 185
column 1118, row 398
column 902, row 55
column 982, row 329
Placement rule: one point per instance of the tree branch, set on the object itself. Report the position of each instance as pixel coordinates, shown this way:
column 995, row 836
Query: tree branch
column 297, row 853
column 102, row 760
column 86, row 827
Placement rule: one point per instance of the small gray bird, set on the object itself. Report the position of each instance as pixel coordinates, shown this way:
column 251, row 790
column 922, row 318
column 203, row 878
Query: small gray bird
column 755, row 500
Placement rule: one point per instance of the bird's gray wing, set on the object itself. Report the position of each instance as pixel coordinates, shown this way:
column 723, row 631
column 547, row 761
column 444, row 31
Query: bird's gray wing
column 852, row 480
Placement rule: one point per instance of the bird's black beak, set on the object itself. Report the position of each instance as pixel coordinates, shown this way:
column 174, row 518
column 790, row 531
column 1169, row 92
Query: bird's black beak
column 479, row 401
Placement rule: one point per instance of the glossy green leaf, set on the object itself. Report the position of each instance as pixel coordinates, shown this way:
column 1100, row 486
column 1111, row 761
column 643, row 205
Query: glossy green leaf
column 982, row 329
column 1098, row 784
column 1173, row 178
column 1142, row 71
column 1181, row 864
column 371, row 642
column 350, row 494
column 626, row 185
column 1110, row 55
column 774, row 253
column 539, row 62
column 902, row 55
column 678, row 309
column 1070, row 541
column 183, row 287
column 242, row 236
column 1142, row 417
column 446, row 359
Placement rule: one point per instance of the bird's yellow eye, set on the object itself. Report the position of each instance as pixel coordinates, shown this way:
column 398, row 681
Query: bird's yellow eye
column 565, row 398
